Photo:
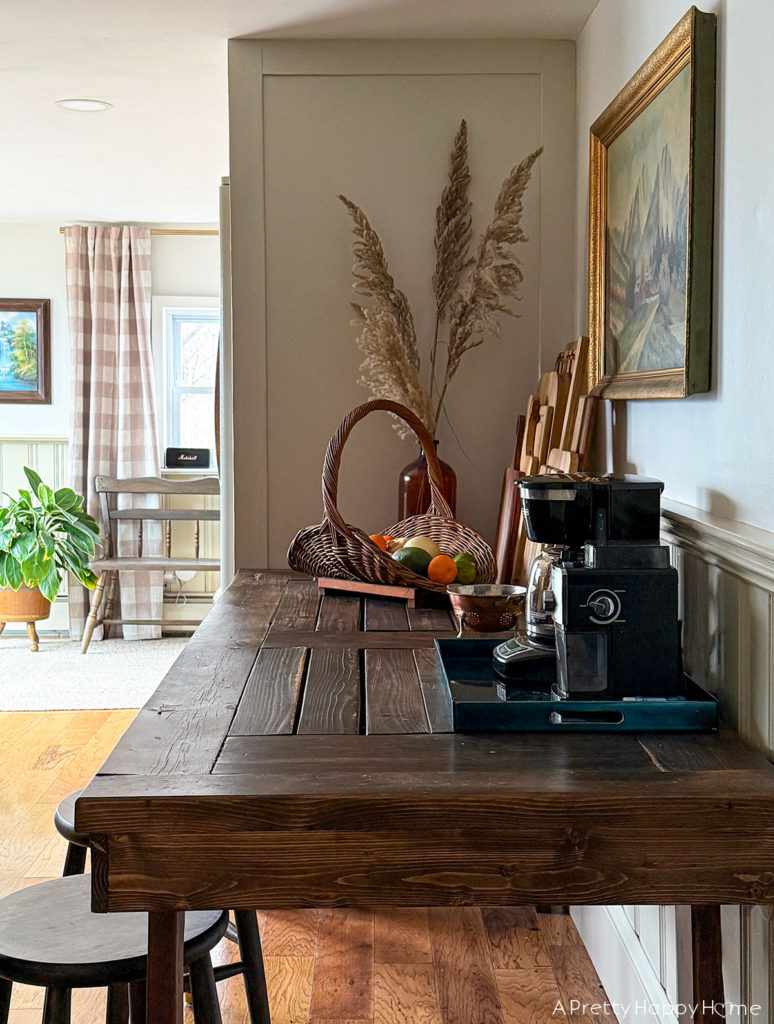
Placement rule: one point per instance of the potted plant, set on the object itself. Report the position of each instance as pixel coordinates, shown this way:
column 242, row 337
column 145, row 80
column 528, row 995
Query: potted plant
column 43, row 534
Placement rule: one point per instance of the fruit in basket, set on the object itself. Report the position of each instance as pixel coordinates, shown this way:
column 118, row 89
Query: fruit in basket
column 442, row 569
column 379, row 540
column 415, row 559
column 395, row 543
column 425, row 544
column 466, row 568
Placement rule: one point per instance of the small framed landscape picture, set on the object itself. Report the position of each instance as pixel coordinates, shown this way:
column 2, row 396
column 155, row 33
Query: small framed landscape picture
column 650, row 223
column 25, row 350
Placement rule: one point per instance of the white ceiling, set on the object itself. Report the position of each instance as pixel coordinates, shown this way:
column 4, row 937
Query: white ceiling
column 158, row 156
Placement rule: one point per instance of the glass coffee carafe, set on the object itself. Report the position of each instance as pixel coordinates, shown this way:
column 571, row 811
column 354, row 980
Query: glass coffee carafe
column 539, row 602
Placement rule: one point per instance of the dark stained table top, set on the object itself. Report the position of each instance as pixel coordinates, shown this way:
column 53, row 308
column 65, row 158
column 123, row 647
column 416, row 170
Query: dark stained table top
column 300, row 753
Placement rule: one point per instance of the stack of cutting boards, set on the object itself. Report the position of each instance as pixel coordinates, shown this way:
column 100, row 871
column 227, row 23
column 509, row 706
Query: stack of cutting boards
column 552, row 437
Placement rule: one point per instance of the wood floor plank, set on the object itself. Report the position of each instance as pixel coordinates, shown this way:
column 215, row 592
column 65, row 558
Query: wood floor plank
column 530, row 996
column 464, row 977
column 289, row 983
column 577, row 980
column 405, row 994
column 289, row 932
column 558, row 930
column 402, row 936
column 344, row 973
column 514, row 938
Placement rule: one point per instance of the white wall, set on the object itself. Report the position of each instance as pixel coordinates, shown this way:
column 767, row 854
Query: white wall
column 711, row 450
column 32, row 267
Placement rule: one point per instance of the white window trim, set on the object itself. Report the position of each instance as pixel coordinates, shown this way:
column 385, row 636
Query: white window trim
column 159, row 305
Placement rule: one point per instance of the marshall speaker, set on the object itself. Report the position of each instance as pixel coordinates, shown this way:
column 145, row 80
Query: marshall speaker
column 188, row 458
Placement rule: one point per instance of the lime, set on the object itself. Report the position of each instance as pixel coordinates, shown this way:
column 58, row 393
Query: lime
column 415, row 559
column 425, row 544
column 466, row 568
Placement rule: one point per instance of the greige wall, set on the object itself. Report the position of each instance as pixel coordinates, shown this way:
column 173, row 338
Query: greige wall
column 375, row 120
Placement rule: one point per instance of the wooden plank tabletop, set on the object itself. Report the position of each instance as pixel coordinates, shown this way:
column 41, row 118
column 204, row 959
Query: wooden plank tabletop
column 300, row 753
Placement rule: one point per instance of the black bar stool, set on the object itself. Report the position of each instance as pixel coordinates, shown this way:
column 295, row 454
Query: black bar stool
column 50, row 938
column 245, row 934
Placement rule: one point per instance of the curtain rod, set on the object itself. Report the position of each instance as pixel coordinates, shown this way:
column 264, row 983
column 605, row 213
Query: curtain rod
column 175, row 231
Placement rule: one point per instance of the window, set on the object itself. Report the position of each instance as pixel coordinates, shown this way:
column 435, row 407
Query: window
column 187, row 358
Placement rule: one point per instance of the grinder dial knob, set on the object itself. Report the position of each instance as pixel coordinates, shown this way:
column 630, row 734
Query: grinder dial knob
column 605, row 606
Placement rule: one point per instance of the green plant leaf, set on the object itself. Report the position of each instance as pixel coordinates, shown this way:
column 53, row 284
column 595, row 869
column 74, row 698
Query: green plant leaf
column 82, row 539
column 13, row 573
column 67, row 499
column 3, row 577
column 50, row 583
column 34, row 568
column 34, row 480
column 45, row 495
column 6, row 538
column 49, row 543
column 24, row 545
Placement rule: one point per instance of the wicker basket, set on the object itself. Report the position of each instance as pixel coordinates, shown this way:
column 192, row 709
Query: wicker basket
column 334, row 548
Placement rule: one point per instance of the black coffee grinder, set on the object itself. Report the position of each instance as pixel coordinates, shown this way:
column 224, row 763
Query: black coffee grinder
column 613, row 594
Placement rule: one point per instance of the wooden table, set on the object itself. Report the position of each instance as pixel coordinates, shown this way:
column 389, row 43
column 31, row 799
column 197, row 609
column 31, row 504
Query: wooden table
column 299, row 754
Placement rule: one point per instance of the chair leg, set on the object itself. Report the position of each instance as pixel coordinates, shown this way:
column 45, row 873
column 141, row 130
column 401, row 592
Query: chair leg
column 91, row 621
column 2, row 627
column 110, row 601
column 205, row 995
column 6, row 988
column 32, row 633
column 117, row 1004
column 75, row 860
column 252, row 958
column 56, row 1008
column 136, row 1002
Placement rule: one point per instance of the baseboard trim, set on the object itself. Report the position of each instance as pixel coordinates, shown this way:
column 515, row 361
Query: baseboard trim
column 622, row 964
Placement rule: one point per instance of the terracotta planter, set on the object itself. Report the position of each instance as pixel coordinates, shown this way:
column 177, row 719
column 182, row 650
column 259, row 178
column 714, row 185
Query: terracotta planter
column 24, row 605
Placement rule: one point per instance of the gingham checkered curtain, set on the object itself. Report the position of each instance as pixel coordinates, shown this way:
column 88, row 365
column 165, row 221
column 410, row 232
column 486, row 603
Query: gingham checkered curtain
column 112, row 416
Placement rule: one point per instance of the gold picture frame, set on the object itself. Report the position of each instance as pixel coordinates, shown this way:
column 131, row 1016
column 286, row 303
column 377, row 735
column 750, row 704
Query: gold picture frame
column 651, row 189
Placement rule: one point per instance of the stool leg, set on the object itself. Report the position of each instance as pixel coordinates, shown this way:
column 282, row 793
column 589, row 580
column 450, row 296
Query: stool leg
column 5, row 993
column 117, row 1004
column 32, row 633
column 205, row 995
column 136, row 1002
column 75, row 860
column 91, row 621
column 252, row 958
column 2, row 627
column 56, row 1009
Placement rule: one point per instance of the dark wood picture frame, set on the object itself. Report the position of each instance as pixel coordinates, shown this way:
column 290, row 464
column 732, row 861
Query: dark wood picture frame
column 691, row 44
column 41, row 310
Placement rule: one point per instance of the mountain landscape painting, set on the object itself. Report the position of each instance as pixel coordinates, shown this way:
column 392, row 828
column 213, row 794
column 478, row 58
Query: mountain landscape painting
column 647, row 236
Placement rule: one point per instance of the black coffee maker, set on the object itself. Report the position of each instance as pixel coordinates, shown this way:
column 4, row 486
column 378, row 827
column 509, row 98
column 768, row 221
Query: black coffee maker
column 613, row 594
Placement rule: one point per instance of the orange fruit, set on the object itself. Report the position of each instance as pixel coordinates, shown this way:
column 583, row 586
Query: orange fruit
column 379, row 541
column 442, row 569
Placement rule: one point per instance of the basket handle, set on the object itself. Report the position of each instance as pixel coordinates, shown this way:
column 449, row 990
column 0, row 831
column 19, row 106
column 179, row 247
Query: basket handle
column 330, row 477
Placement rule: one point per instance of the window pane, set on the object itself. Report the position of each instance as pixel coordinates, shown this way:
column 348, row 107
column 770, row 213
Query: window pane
column 197, row 421
column 198, row 352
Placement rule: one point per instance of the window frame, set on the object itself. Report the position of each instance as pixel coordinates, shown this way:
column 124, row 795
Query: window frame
column 164, row 310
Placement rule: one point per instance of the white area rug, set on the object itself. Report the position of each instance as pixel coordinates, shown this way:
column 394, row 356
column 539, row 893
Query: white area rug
column 112, row 674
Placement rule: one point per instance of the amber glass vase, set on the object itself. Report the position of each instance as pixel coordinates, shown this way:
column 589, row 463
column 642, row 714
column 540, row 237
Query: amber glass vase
column 414, row 487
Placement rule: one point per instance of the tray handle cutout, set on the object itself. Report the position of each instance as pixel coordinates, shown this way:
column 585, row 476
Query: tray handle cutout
column 612, row 719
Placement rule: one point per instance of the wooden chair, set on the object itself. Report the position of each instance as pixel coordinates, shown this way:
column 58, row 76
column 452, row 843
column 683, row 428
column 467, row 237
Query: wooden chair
column 50, row 938
column 245, row 933
column 108, row 488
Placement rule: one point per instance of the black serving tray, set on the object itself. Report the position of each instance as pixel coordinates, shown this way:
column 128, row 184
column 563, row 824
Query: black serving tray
column 466, row 666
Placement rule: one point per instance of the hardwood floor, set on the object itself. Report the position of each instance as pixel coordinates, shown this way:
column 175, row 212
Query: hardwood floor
column 460, row 966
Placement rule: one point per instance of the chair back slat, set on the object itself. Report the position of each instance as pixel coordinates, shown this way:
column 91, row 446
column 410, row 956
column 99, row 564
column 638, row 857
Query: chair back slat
column 156, row 485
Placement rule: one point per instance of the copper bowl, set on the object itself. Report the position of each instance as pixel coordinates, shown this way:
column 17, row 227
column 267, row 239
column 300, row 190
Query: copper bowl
column 487, row 607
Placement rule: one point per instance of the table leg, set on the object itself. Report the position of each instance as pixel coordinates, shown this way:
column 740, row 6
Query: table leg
column 165, row 966
column 707, row 964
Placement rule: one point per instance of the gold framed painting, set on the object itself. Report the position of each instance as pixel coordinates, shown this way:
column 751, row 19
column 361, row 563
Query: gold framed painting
column 650, row 223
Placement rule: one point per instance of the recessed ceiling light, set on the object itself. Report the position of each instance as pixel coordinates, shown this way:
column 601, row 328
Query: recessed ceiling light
column 84, row 104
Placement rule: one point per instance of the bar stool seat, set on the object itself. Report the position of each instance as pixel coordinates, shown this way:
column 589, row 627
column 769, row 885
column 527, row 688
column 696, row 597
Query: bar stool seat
column 244, row 933
column 49, row 937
